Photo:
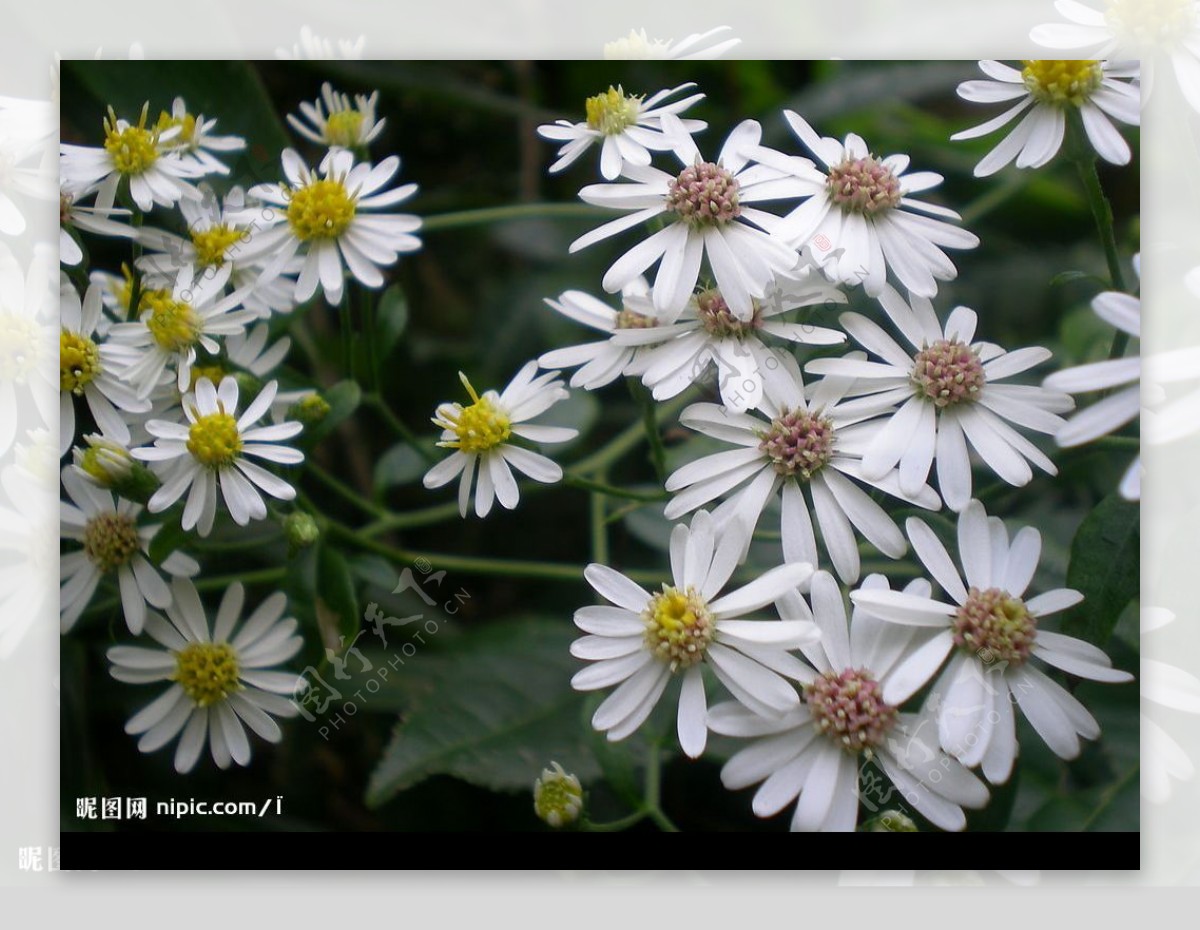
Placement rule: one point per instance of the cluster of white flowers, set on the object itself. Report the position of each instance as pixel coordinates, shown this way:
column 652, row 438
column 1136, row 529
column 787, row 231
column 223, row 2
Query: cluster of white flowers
column 172, row 358
column 741, row 241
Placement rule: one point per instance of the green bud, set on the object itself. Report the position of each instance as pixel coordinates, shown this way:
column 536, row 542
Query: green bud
column 557, row 797
column 891, row 821
column 309, row 410
column 300, row 530
column 108, row 464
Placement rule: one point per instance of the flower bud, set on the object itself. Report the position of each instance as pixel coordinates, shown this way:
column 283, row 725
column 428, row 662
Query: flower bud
column 108, row 464
column 309, row 410
column 892, row 821
column 300, row 530
column 557, row 797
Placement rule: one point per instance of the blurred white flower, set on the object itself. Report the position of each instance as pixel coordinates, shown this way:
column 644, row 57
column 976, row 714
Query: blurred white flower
column 1159, row 33
column 313, row 47
column 335, row 120
column 637, row 45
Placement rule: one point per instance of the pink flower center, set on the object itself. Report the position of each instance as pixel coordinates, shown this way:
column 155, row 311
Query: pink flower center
column 864, row 185
column 995, row 626
column 948, row 372
column 848, row 707
column 704, row 195
column 798, row 443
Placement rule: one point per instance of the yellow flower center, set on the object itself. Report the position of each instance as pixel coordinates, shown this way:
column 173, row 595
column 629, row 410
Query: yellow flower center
column 679, row 627
column 134, row 149
column 173, row 323
column 78, row 361
column 18, row 348
column 479, row 427
column 213, row 373
column 187, row 124
column 344, row 128
column 320, row 210
column 110, row 540
column 1062, row 83
column 207, row 672
column 612, row 112
column 214, row 440
column 212, row 244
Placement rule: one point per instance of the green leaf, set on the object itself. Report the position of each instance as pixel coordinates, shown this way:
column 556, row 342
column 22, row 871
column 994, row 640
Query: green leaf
column 492, row 708
column 400, row 465
column 391, row 320
column 336, row 599
column 1111, row 809
column 343, row 399
column 1105, row 566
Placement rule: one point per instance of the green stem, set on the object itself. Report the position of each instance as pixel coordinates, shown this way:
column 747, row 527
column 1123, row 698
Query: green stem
column 658, row 454
column 508, row 568
column 521, row 211
column 600, row 487
column 400, row 521
column 654, row 790
column 377, row 403
column 344, row 490
column 615, row 826
column 596, row 508
column 1085, row 162
column 629, row 437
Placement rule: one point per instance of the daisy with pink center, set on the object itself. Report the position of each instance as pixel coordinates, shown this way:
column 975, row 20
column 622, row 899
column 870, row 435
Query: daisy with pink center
column 948, row 389
column 708, row 210
column 990, row 632
column 859, row 218
column 819, row 749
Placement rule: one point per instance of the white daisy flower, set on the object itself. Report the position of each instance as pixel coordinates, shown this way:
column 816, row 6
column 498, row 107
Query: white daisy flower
column 675, row 355
column 28, row 314
column 312, row 47
column 699, row 46
column 647, row 639
column 173, row 323
column 92, row 370
column 213, row 446
column 628, row 128
column 815, row 443
column 218, row 233
column 1052, row 89
column 818, row 750
column 196, row 138
column 113, row 543
column 992, row 631
column 156, row 173
column 602, row 362
column 707, row 211
column 1113, row 411
column 1149, row 31
column 859, row 218
column 328, row 218
column 221, row 680
column 97, row 219
column 479, row 434
column 336, row 121
column 949, row 391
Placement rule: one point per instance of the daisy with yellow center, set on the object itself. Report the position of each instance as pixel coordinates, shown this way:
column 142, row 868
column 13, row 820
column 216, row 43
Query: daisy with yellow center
column 93, row 369
column 218, row 235
column 627, row 127
column 1046, row 91
column 337, row 121
column 214, row 446
column 172, row 325
column 480, row 434
column 195, row 138
column 326, row 222
column 144, row 156
column 220, row 678
column 645, row 640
